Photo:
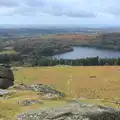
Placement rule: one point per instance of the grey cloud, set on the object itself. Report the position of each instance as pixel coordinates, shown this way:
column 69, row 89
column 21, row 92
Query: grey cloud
column 9, row 3
column 69, row 13
column 51, row 7
column 62, row 7
column 35, row 3
column 81, row 13
column 114, row 11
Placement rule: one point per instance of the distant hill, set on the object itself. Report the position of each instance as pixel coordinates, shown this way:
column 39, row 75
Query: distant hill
column 12, row 32
column 37, row 46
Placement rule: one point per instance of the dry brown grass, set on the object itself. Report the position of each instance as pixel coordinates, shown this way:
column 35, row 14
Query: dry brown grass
column 87, row 82
column 77, row 39
column 100, row 84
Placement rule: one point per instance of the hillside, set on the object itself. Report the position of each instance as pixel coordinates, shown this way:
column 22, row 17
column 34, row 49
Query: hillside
column 28, row 50
column 86, row 82
column 88, row 85
column 62, row 42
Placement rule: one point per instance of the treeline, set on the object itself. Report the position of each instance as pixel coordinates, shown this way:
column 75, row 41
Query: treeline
column 11, row 59
column 96, row 61
column 17, row 59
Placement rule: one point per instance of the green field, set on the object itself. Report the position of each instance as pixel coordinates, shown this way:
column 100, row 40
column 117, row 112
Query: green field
column 8, row 52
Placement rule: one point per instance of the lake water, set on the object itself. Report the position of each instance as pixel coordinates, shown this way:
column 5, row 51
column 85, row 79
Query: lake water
column 84, row 52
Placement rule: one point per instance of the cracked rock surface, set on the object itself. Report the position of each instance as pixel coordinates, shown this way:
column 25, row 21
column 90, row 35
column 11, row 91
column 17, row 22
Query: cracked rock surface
column 73, row 111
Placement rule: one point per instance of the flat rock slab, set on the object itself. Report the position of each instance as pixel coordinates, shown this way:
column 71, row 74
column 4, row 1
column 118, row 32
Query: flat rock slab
column 6, row 92
column 73, row 111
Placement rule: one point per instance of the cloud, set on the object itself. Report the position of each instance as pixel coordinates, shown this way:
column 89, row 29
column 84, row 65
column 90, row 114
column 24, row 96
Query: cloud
column 9, row 3
column 51, row 7
column 114, row 11
column 35, row 3
column 69, row 8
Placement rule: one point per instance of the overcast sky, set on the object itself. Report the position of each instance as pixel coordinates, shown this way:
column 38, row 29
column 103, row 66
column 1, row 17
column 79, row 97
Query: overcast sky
column 78, row 12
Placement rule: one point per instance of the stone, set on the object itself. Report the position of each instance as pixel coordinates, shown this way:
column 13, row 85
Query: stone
column 6, row 92
column 29, row 102
column 73, row 111
column 47, row 92
column 20, row 87
column 6, row 77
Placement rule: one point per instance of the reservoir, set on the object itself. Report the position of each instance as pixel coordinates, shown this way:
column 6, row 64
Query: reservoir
column 84, row 52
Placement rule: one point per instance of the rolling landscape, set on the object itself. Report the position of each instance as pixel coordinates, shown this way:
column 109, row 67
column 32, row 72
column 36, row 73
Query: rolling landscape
column 59, row 60
column 88, row 80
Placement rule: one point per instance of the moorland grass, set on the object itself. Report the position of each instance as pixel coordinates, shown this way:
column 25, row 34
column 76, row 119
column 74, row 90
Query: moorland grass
column 88, row 82
column 96, row 85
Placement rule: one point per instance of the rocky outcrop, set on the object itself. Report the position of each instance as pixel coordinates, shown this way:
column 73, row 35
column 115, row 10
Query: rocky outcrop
column 47, row 92
column 73, row 111
column 6, row 77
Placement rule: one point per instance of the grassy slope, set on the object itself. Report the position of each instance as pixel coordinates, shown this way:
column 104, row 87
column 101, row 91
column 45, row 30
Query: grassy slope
column 9, row 108
column 88, row 82
column 100, row 84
